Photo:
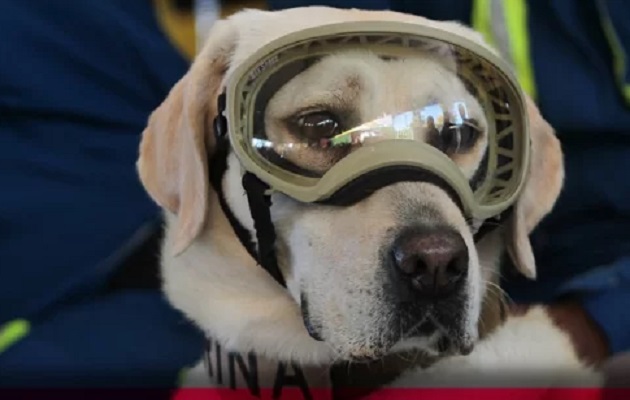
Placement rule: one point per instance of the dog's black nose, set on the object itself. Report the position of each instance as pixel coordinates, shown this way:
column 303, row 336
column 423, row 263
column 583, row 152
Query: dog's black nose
column 433, row 260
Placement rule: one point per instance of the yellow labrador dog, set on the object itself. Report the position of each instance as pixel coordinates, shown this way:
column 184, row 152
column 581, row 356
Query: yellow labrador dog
column 330, row 257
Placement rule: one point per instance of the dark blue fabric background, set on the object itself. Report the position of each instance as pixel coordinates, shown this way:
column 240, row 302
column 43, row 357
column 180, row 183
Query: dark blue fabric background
column 78, row 80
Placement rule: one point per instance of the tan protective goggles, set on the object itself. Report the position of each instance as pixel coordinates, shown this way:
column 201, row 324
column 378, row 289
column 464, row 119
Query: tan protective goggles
column 316, row 110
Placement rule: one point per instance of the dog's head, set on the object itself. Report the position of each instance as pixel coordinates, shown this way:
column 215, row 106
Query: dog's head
column 397, row 270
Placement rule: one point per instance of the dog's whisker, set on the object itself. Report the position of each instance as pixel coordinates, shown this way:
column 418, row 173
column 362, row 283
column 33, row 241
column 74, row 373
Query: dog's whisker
column 403, row 357
column 498, row 289
column 418, row 324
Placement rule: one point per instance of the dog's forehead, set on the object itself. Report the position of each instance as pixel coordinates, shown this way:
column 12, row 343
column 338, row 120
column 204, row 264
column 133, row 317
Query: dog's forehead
column 255, row 28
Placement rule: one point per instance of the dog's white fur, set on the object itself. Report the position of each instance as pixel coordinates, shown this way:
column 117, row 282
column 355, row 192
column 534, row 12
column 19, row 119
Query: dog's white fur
column 528, row 351
column 209, row 276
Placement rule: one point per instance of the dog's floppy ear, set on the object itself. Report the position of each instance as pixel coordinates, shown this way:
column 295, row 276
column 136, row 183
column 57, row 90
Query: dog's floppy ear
column 546, row 175
column 177, row 141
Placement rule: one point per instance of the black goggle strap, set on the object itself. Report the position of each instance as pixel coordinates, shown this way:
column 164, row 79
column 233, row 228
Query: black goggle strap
column 491, row 224
column 260, row 208
column 366, row 184
column 257, row 196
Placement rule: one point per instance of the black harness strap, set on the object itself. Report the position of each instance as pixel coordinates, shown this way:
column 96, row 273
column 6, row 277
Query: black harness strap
column 491, row 224
column 218, row 166
column 263, row 251
column 260, row 206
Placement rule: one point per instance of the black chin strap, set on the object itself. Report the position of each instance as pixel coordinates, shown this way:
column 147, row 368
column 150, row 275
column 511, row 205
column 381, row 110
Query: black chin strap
column 263, row 250
column 491, row 224
column 260, row 205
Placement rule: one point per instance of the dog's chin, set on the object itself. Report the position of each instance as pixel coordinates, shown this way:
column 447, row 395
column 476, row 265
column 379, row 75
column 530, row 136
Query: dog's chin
column 437, row 335
column 436, row 345
column 426, row 339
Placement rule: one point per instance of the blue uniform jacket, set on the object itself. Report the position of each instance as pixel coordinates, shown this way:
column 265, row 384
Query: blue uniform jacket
column 583, row 247
column 77, row 83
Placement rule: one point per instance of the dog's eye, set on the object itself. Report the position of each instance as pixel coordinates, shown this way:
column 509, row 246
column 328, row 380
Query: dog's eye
column 456, row 138
column 318, row 125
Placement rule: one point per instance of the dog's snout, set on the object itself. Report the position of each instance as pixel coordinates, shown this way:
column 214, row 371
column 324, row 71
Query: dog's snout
column 433, row 260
